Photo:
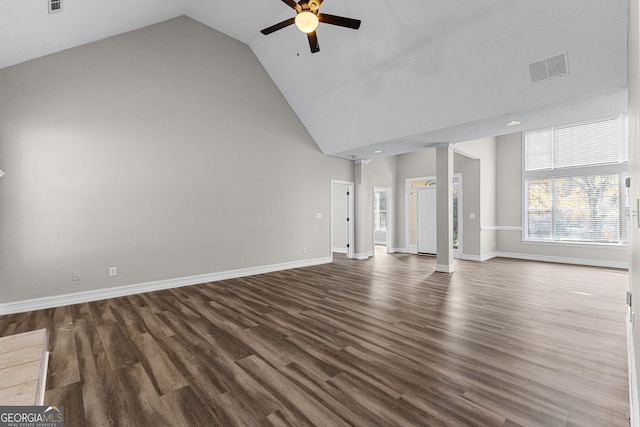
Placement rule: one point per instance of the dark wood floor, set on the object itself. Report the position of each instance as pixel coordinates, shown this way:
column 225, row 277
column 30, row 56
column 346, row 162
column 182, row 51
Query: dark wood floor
column 369, row 343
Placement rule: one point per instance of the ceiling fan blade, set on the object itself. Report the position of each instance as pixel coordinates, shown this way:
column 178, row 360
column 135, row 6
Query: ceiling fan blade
column 290, row 3
column 339, row 20
column 313, row 42
column 278, row 26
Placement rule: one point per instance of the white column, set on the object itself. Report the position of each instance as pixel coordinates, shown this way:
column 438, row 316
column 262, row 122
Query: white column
column 444, row 210
column 363, row 211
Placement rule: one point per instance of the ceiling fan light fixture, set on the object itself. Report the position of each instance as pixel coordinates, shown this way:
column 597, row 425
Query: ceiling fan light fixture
column 307, row 21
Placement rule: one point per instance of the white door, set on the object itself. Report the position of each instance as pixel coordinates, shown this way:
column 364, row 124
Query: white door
column 341, row 224
column 427, row 223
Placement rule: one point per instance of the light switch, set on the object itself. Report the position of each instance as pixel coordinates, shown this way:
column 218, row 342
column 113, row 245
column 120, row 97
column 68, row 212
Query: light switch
column 472, row 216
column 319, row 215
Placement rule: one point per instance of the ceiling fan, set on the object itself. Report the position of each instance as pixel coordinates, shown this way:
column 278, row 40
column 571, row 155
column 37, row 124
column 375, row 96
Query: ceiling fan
column 307, row 19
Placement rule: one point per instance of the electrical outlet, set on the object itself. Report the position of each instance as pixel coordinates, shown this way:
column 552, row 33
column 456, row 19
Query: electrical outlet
column 75, row 276
column 113, row 271
column 304, row 250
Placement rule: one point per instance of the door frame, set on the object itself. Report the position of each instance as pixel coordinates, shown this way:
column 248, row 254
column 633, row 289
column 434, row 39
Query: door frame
column 413, row 249
column 350, row 223
column 457, row 253
column 389, row 217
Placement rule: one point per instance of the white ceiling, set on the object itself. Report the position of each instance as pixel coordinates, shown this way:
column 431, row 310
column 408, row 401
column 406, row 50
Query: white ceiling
column 416, row 72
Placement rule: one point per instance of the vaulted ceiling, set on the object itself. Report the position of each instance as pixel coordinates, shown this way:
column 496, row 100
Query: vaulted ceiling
column 416, row 73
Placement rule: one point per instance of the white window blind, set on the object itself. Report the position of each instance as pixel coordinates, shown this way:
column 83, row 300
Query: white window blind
column 574, row 182
column 539, row 150
column 596, row 143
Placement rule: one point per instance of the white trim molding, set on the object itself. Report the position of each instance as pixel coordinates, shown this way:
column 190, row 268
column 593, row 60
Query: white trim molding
column 500, row 228
column 532, row 257
column 634, row 410
column 363, row 256
column 564, row 260
column 445, row 268
column 479, row 258
column 100, row 294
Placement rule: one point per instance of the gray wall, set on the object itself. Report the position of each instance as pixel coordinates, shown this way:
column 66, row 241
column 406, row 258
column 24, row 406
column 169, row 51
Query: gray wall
column 167, row 152
column 410, row 165
column 471, row 198
column 485, row 151
column 423, row 163
column 492, row 190
column 509, row 215
column 382, row 173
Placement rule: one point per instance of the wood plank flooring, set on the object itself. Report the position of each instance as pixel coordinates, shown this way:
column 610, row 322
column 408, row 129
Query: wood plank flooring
column 382, row 342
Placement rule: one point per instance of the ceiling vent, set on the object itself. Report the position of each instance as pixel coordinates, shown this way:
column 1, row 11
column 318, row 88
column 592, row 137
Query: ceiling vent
column 546, row 69
column 55, row 6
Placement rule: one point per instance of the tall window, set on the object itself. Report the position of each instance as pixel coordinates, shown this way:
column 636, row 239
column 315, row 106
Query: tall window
column 380, row 210
column 574, row 183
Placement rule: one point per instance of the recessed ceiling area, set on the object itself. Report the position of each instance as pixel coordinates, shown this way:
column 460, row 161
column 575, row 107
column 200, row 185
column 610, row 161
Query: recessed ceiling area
column 415, row 74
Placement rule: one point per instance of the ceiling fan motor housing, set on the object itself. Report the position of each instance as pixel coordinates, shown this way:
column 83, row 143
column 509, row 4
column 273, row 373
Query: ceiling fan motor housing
column 313, row 4
column 307, row 19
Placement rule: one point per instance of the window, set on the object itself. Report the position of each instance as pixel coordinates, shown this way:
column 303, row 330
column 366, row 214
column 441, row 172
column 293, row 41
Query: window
column 380, row 210
column 574, row 183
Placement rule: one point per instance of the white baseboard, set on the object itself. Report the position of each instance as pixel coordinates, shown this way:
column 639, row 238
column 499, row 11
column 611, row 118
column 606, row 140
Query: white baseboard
column 443, row 268
column 634, row 410
column 339, row 250
column 363, row 256
column 544, row 258
column 478, row 258
column 490, row 255
column 100, row 294
column 563, row 260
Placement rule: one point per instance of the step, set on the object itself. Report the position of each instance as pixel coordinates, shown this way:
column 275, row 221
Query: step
column 23, row 368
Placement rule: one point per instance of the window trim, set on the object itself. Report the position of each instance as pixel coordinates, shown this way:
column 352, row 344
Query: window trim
column 553, row 241
column 620, row 168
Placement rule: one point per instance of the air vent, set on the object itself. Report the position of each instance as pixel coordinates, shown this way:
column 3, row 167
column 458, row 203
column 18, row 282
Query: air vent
column 546, row 69
column 55, row 6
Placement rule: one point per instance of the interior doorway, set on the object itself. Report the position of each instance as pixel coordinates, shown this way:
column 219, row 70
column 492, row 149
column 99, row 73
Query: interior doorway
column 421, row 215
column 342, row 224
column 382, row 227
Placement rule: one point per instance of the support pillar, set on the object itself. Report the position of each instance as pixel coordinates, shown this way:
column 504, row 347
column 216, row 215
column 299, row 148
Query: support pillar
column 444, row 208
column 363, row 211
